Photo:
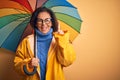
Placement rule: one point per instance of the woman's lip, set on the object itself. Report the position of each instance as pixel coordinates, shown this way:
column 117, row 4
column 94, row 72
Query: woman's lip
column 44, row 28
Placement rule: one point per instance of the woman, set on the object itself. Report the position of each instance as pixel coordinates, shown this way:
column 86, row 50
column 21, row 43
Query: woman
column 52, row 46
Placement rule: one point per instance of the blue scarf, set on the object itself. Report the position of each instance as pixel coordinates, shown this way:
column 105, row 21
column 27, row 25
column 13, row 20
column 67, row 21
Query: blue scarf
column 43, row 44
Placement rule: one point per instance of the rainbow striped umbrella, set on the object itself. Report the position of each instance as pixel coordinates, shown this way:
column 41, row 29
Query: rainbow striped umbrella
column 15, row 16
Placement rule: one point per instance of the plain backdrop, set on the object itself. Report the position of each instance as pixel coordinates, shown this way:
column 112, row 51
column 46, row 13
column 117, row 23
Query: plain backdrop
column 98, row 44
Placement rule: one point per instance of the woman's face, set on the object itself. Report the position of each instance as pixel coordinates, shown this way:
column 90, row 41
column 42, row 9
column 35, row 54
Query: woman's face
column 44, row 22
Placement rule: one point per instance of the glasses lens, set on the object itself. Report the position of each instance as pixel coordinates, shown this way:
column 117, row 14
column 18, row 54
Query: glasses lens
column 47, row 20
column 39, row 20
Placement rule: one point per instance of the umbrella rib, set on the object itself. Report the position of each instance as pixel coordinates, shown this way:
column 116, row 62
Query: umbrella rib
column 14, row 29
column 23, row 8
column 62, row 6
column 69, row 15
column 67, row 19
column 16, row 17
column 29, row 5
column 22, row 17
column 66, row 10
column 71, row 26
column 22, row 23
column 21, row 12
column 57, row 3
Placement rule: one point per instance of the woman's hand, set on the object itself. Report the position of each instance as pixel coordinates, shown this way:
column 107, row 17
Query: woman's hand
column 33, row 62
column 59, row 30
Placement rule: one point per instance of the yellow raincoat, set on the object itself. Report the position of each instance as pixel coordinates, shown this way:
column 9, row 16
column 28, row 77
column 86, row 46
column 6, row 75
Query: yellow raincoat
column 60, row 54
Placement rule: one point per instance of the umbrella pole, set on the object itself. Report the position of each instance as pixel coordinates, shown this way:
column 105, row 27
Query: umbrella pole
column 35, row 69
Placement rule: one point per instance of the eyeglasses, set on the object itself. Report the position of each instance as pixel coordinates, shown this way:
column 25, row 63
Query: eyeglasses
column 46, row 21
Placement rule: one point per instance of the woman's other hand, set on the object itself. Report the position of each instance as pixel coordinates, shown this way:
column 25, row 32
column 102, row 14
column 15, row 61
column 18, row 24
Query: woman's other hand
column 34, row 62
column 59, row 30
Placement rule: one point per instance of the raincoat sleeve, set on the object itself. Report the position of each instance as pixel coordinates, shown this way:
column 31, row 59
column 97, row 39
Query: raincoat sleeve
column 65, row 51
column 22, row 57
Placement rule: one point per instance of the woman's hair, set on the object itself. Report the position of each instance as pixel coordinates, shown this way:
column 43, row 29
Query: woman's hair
column 33, row 19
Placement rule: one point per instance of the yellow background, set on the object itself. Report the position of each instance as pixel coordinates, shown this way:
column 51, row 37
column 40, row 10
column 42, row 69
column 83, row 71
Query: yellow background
column 97, row 46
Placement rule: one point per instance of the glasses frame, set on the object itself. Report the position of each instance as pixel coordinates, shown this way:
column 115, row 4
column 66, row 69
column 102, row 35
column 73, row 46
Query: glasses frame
column 46, row 21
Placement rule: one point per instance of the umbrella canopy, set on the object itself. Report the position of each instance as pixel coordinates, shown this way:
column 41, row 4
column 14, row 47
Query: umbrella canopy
column 15, row 16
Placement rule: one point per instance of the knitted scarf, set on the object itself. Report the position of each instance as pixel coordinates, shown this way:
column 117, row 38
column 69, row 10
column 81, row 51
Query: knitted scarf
column 43, row 44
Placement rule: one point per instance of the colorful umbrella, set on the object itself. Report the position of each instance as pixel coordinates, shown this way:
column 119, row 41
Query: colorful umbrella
column 15, row 16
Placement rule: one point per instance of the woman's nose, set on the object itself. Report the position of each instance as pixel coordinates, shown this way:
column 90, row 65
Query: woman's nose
column 43, row 23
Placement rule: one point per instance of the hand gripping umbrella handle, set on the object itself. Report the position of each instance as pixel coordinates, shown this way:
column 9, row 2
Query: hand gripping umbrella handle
column 29, row 73
column 35, row 68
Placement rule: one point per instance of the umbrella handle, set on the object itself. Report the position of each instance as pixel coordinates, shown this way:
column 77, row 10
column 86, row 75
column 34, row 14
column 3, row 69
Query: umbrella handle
column 35, row 68
column 29, row 73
